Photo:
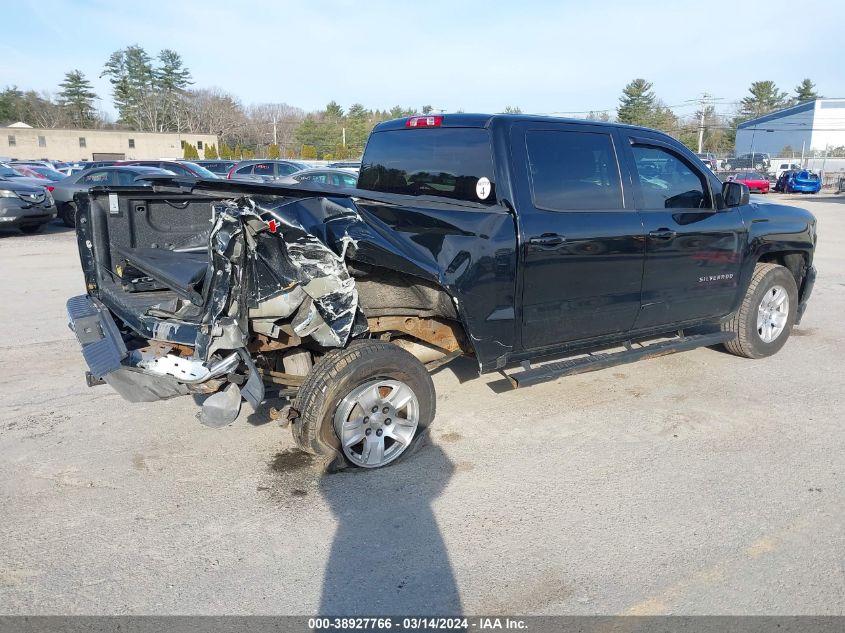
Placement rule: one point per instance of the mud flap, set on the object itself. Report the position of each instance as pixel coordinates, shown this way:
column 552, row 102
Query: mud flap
column 253, row 390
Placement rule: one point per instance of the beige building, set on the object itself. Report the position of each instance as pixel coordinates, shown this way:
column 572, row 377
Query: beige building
column 27, row 143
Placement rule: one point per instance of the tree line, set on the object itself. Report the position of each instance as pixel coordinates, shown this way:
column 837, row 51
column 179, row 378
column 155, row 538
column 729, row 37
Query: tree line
column 156, row 94
column 639, row 105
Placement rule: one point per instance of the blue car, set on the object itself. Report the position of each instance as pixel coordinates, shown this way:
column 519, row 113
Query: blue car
column 803, row 182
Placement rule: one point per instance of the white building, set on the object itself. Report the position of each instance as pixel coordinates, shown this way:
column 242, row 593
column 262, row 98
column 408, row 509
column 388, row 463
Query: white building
column 808, row 126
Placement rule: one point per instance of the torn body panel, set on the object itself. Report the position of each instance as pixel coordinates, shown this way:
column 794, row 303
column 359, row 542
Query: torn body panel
column 284, row 273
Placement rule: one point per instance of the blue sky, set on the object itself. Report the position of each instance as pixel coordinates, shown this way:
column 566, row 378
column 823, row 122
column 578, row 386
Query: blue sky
column 545, row 57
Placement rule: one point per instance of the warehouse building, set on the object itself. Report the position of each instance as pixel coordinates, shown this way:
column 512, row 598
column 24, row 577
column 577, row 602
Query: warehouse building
column 23, row 142
column 811, row 126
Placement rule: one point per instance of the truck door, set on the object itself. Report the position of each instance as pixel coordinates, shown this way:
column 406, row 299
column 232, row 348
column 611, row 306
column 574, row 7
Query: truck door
column 581, row 240
column 693, row 250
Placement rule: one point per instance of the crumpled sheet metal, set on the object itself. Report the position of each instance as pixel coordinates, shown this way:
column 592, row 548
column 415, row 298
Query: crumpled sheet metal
column 285, row 270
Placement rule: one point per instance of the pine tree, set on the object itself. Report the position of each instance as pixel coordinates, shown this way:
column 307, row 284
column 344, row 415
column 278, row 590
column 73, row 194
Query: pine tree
column 273, row 151
column 513, row 110
column 637, row 103
column 225, row 152
column 131, row 75
column 765, row 97
column 189, row 152
column 805, row 91
column 209, row 152
column 237, row 152
column 308, row 152
column 76, row 97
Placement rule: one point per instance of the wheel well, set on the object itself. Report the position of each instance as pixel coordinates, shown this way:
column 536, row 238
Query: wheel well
column 794, row 261
column 397, row 304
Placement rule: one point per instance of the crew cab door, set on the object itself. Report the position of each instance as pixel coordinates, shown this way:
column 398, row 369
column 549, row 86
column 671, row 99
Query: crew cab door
column 581, row 240
column 693, row 250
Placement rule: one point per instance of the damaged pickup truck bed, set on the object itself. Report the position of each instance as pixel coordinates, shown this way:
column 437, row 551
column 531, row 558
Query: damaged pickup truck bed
column 505, row 238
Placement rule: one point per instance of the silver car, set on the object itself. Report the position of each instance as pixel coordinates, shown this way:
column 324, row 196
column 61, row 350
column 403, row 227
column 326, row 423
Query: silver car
column 265, row 170
column 64, row 190
column 343, row 178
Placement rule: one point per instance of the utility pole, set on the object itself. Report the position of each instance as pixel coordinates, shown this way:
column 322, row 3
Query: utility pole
column 705, row 98
column 343, row 129
column 275, row 142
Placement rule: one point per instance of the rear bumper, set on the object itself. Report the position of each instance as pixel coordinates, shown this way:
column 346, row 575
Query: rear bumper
column 805, row 292
column 805, row 188
column 107, row 357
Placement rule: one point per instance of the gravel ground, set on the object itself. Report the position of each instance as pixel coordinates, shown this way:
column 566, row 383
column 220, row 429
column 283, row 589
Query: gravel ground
column 697, row 483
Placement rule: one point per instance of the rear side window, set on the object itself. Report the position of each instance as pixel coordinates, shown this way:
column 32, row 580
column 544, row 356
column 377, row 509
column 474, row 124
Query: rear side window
column 573, row 171
column 176, row 169
column 452, row 163
column 244, row 170
column 263, row 169
column 669, row 182
column 284, row 169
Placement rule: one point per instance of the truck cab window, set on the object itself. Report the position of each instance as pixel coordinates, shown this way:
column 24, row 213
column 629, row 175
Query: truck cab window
column 442, row 162
column 669, row 182
column 573, row 171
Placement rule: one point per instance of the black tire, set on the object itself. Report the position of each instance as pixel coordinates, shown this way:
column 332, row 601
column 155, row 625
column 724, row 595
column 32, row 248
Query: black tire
column 340, row 372
column 743, row 323
column 32, row 228
column 68, row 214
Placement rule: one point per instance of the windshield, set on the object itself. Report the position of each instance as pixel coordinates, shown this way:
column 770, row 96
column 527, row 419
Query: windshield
column 50, row 174
column 449, row 162
column 8, row 172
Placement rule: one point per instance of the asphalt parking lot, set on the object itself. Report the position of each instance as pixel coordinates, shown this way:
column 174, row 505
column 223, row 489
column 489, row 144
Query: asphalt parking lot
column 697, row 483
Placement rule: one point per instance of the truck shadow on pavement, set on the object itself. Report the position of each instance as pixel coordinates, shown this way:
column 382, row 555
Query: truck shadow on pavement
column 388, row 556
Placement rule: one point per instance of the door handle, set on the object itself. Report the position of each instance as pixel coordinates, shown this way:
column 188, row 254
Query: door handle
column 663, row 234
column 547, row 240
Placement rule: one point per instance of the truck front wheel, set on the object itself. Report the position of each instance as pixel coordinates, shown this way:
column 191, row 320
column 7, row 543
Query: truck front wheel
column 367, row 402
column 764, row 320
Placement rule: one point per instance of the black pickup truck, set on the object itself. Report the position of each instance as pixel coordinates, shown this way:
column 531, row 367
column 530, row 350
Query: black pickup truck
column 541, row 247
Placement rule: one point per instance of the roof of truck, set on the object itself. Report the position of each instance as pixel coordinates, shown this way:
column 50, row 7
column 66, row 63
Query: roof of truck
column 485, row 120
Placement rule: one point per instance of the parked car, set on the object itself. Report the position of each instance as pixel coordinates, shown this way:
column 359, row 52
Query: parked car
column 71, row 169
column 346, row 303
column 346, row 164
column 753, row 180
column 709, row 159
column 47, row 173
column 26, row 170
column 343, row 178
column 264, row 170
column 7, row 172
column 92, row 164
column 180, row 168
column 117, row 175
column 218, row 166
column 52, row 164
column 803, row 181
column 24, row 206
column 756, row 160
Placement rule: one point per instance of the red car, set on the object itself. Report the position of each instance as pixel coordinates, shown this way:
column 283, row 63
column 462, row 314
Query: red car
column 753, row 180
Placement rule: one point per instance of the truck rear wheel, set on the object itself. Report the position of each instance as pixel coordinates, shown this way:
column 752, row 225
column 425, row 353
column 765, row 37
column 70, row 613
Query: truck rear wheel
column 367, row 402
column 764, row 320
